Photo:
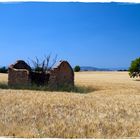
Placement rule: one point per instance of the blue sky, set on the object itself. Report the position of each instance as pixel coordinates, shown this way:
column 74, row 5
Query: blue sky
column 86, row 34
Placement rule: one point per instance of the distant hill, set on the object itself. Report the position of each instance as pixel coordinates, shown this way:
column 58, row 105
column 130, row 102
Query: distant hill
column 90, row 68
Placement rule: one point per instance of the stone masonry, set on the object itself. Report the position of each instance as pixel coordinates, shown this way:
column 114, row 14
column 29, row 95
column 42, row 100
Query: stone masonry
column 20, row 73
column 61, row 75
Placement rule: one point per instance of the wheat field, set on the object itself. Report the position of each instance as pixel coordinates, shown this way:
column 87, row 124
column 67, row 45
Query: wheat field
column 111, row 110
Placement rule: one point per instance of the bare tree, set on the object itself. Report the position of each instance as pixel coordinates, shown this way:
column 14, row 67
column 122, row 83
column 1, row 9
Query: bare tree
column 45, row 65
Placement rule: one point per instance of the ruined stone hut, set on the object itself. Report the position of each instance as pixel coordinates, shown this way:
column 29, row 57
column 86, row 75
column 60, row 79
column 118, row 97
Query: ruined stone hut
column 21, row 73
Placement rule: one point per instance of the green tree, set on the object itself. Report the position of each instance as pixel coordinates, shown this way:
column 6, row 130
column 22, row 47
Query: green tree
column 77, row 68
column 3, row 70
column 134, row 69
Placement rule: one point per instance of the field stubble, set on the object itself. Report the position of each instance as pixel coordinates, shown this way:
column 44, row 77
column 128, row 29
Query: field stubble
column 112, row 111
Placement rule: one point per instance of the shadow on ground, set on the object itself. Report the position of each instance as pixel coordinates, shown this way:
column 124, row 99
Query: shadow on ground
column 136, row 79
column 75, row 89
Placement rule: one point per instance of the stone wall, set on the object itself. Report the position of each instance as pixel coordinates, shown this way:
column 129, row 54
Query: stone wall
column 19, row 74
column 61, row 75
column 18, row 77
column 20, row 64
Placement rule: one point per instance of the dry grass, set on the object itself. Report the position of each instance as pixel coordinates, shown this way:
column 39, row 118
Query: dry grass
column 112, row 111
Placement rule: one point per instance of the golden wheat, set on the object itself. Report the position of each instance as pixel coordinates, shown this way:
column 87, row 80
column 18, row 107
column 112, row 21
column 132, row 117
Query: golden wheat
column 110, row 111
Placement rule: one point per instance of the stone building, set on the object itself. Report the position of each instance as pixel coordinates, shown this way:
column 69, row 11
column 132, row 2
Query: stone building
column 61, row 75
column 21, row 73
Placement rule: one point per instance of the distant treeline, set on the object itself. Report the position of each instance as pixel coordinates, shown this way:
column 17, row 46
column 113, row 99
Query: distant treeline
column 3, row 70
column 123, row 70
